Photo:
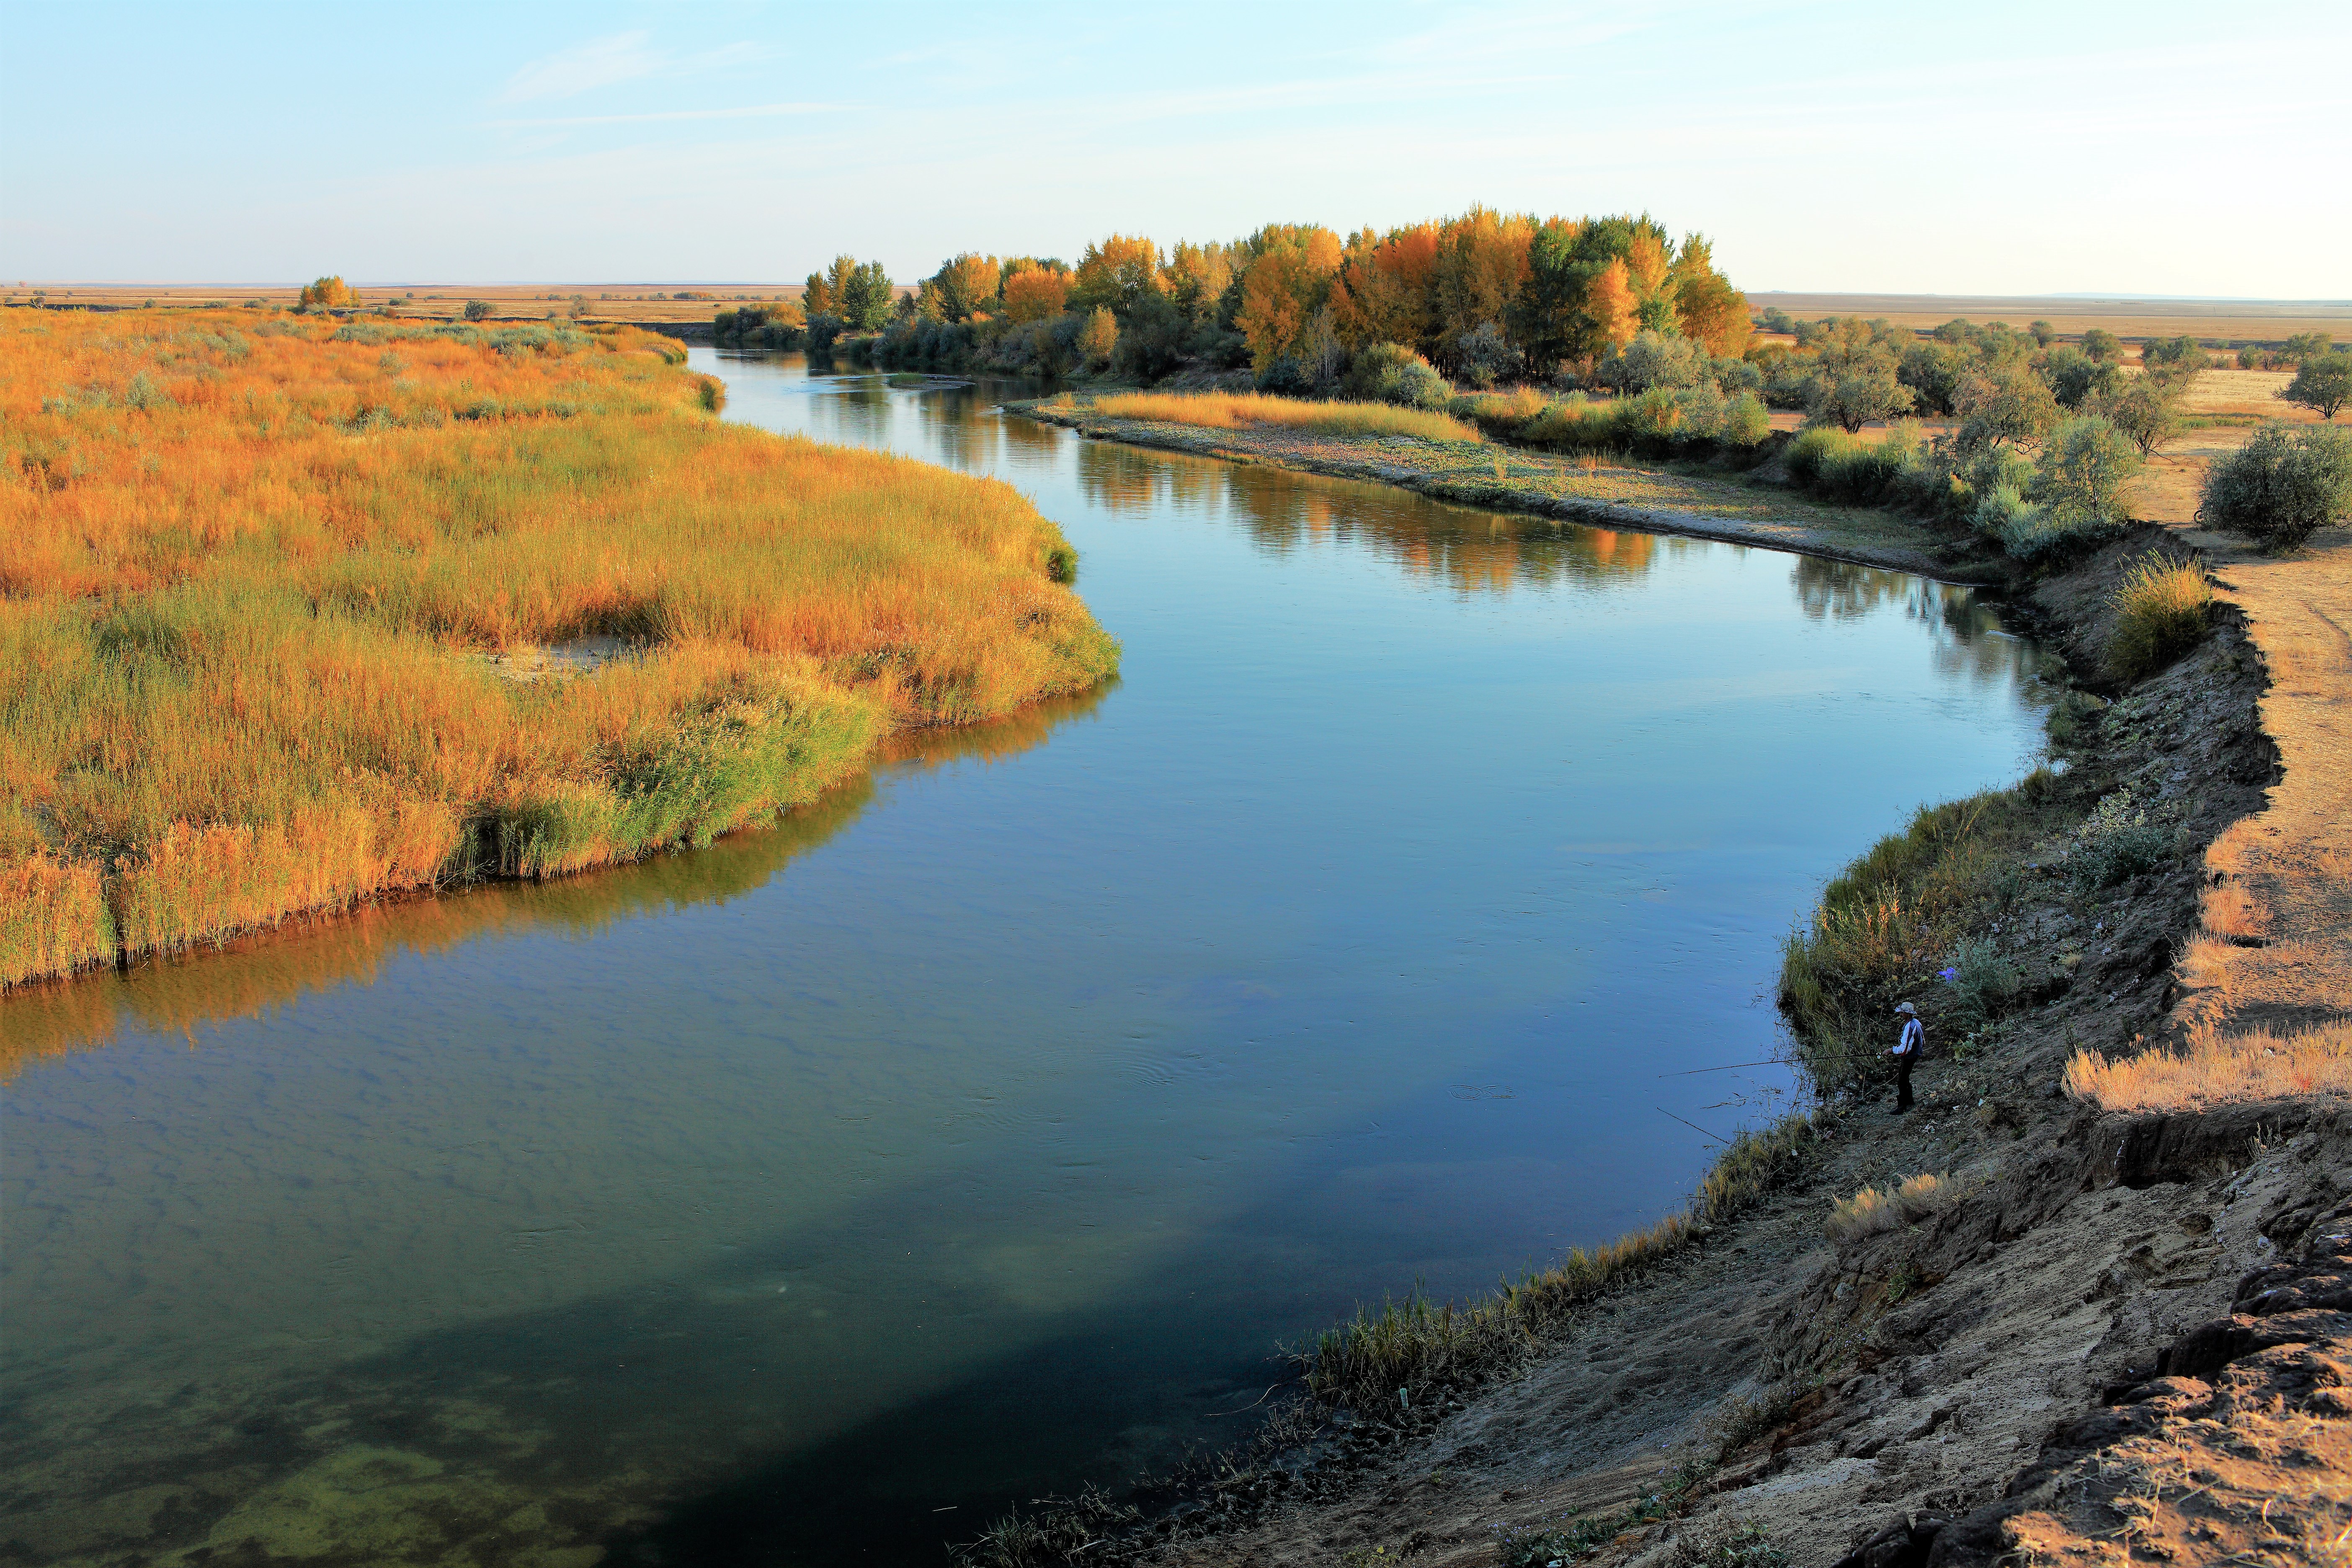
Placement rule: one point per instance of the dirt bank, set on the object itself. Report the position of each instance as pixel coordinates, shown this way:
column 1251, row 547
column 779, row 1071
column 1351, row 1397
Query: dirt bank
column 2098, row 1337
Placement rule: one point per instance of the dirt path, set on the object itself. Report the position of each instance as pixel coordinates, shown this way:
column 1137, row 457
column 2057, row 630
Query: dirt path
column 2280, row 918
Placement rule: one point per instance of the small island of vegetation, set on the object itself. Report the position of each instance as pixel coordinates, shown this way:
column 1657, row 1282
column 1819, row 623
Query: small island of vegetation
column 298, row 611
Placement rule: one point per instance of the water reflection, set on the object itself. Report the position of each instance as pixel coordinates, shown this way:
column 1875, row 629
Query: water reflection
column 248, row 976
column 694, row 1209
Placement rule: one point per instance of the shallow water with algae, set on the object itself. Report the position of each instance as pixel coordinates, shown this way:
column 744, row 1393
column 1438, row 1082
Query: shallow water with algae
column 982, row 1128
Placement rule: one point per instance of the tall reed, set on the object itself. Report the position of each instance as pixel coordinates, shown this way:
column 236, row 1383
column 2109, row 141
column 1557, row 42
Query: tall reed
column 257, row 582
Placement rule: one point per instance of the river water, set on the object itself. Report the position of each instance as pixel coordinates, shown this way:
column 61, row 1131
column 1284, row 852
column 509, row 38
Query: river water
column 984, row 1128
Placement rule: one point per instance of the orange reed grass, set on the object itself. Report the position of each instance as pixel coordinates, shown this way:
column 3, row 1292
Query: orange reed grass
column 252, row 575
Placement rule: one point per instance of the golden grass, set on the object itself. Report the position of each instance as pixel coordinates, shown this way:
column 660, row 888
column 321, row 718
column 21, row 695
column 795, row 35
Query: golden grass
column 249, row 578
column 2162, row 607
column 1876, row 1209
column 1231, row 410
column 2218, row 1070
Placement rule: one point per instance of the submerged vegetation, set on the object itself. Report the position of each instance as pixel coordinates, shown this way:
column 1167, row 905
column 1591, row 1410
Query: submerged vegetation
column 261, row 585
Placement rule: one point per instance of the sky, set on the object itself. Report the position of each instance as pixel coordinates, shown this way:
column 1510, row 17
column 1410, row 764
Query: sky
column 2184, row 150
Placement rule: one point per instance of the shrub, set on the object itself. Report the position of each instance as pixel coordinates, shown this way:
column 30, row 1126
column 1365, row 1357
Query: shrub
column 1983, row 982
column 2083, row 468
column 2322, row 382
column 2116, row 842
column 1864, row 391
column 1745, row 421
column 1654, row 359
column 2280, row 487
column 1484, row 356
column 1390, row 372
column 477, row 310
column 2161, row 611
column 2075, row 377
column 710, row 393
column 1727, row 1543
column 1810, row 449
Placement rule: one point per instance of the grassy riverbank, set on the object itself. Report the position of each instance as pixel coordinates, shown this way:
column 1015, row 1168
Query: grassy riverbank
column 1601, row 491
column 291, row 614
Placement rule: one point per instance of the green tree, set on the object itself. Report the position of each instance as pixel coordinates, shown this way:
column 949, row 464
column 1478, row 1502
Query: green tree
column 1854, row 395
column 2322, row 382
column 2009, row 406
column 865, row 295
column 2147, row 408
column 477, row 310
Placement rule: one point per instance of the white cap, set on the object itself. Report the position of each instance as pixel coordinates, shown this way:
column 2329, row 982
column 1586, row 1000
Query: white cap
column 1907, row 1007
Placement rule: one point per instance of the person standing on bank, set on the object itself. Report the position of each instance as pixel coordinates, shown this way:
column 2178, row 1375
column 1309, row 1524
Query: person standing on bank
column 1906, row 1054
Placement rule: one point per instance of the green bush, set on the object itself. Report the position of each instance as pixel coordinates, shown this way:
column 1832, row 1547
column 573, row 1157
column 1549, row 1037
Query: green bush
column 1390, row 372
column 1810, row 449
column 1983, row 982
column 477, row 310
column 2280, row 487
column 1745, row 421
column 2083, row 468
column 2117, row 843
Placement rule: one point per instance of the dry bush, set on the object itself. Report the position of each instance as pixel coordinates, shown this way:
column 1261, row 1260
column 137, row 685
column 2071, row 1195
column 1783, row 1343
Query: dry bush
column 1876, row 1209
column 249, row 572
column 1231, row 410
column 2216, row 1070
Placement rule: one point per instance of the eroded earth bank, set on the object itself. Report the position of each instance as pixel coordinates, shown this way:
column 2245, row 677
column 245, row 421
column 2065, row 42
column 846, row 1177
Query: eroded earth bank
column 2116, row 1325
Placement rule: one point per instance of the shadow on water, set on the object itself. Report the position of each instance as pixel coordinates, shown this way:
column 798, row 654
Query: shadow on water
column 249, row 975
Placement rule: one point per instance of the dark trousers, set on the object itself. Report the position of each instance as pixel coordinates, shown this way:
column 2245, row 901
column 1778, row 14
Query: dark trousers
column 1903, row 1082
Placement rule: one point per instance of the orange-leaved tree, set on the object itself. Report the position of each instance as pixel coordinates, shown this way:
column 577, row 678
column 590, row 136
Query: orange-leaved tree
column 329, row 294
column 1036, row 294
column 1115, row 274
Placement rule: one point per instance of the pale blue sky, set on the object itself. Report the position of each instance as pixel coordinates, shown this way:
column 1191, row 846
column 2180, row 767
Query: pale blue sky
column 2191, row 149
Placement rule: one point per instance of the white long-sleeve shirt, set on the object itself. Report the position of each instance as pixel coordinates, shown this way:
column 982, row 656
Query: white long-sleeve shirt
column 1908, row 1046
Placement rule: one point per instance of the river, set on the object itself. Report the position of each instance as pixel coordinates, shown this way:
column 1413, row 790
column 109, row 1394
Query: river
column 985, row 1127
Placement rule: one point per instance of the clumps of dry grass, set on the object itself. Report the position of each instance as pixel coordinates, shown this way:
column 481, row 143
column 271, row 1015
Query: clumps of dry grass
column 1230, row 410
column 249, row 574
column 1876, row 1209
column 2218, row 1070
column 2162, row 608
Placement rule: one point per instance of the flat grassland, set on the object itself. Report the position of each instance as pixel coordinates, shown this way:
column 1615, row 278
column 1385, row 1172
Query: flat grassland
column 2238, row 320
column 647, row 304
column 293, row 613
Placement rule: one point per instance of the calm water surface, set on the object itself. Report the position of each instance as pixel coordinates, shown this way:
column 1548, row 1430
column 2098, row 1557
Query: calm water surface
column 984, row 1128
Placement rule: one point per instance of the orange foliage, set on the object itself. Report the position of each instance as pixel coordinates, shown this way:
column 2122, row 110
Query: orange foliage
column 1116, row 273
column 1383, row 292
column 1612, row 303
column 251, row 577
column 1036, row 296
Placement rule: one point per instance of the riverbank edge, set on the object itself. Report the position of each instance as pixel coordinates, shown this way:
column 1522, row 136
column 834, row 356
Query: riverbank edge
column 1352, row 1485
column 1907, row 546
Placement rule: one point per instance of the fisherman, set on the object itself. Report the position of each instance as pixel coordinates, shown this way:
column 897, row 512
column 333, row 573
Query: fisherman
column 1905, row 1054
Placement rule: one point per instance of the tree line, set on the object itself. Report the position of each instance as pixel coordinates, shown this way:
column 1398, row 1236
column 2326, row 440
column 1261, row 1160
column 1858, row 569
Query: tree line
column 1484, row 298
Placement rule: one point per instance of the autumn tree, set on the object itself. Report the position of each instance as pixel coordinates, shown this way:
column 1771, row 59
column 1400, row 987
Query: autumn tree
column 1706, row 307
column 1036, row 294
column 1385, row 288
column 1286, row 289
column 329, row 294
column 1197, row 277
column 1098, row 339
column 1115, row 274
column 966, row 285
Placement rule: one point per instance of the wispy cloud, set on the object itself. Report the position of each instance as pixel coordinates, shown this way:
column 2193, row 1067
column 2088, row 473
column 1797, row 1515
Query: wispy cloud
column 748, row 112
column 609, row 61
